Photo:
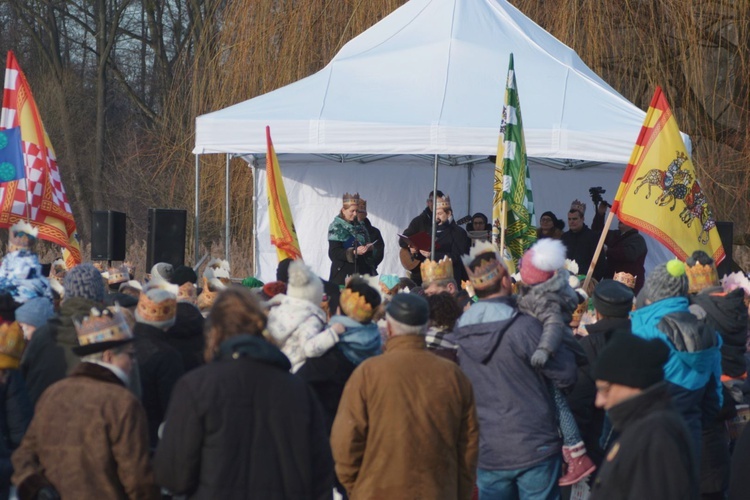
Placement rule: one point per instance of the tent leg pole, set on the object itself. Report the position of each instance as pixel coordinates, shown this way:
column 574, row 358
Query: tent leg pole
column 434, row 207
column 226, row 210
column 196, row 236
column 255, row 220
column 468, row 188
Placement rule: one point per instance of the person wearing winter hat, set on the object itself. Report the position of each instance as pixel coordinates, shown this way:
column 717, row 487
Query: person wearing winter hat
column 184, row 274
column 296, row 316
column 545, row 293
column 549, row 226
column 629, row 379
column 90, row 415
column 401, row 389
column 159, row 364
column 693, row 370
column 34, row 314
column 162, row 270
column 49, row 356
column 518, row 431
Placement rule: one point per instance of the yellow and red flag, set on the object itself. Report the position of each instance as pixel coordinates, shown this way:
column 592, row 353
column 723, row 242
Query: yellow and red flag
column 40, row 197
column 283, row 233
column 660, row 193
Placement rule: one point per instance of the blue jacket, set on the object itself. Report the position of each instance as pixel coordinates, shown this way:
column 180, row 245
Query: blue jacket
column 517, row 425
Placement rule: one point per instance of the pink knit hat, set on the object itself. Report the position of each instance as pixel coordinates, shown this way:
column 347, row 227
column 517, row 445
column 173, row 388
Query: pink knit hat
column 540, row 262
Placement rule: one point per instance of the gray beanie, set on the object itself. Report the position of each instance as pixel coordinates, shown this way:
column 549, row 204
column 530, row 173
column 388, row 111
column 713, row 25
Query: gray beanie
column 666, row 281
column 84, row 281
column 35, row 312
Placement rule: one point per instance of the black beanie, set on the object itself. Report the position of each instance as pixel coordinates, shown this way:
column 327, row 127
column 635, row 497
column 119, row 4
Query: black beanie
column 632, row 361
column 613, row 299
column 182, row 275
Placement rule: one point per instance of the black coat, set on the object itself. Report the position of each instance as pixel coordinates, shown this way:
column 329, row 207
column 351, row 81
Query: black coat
column 580, row 247
column 15, row 416
column 327, row 376
column 186, row 335
column 626, row 253
column 452, row 241
column 581, row 398
column 244, row 427
column 653, row 457
column 420, row 223
column 159, row 367
column 378, row 246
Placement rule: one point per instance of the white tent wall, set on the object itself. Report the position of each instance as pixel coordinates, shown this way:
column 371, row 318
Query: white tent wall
column 396, row 189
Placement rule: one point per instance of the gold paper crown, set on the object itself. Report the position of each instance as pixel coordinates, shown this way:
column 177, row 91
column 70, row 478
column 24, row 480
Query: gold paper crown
column 131, row 269
column 351, row 199
column 118, row 275
column 443, row 202
column 187, row 293
column 362, row 206
column 12, row 345
column 436, row 271
column 22, row 236
column 156, row 312
column 103, row 326
column 207, row 297
column 701, row 276
column 626, row 279
column 578, row 205
column 490, row 270
column 355, row 306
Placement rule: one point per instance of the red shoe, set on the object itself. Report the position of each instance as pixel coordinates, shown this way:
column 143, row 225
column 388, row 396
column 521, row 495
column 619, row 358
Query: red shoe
column 579, row 464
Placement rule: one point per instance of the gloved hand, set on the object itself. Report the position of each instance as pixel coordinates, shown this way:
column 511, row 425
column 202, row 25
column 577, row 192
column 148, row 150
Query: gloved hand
column 539, row 358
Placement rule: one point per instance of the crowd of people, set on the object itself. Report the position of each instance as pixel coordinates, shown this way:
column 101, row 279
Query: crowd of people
column 463, row 380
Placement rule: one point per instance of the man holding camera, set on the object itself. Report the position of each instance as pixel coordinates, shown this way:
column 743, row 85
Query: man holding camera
column 624, row 248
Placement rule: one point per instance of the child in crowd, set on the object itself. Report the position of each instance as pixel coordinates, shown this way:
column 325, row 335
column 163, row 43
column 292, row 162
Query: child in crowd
column 545, row 293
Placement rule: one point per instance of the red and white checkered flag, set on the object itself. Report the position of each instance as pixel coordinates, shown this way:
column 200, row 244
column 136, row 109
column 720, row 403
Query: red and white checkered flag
column 40, row 197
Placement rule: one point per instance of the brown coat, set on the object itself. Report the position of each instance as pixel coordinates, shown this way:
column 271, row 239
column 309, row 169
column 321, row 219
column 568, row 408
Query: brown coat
column 88, row 438
column 406, row 427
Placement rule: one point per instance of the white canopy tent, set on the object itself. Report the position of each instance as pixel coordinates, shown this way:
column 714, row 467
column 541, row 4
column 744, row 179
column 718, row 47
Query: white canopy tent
column 426, row 80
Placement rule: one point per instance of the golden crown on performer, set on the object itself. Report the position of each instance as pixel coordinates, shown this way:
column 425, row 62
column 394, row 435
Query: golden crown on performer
column 443, row 202
column 626, row 279
column 351, row 199
column 436, row 270
column 578, row 205
column 355, row 306
column 209, row 293
column 104, row 325
column 22, row 236
column 187, row 293
column 701, row 276
column 491, row 268
column 118, row 275
column 362, row 206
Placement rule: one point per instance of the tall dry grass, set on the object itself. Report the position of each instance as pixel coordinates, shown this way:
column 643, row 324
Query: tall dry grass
column 699, row 52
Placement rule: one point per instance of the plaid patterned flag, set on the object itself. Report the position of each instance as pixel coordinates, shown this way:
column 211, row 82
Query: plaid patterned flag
column 660, row 193
column 40, row 197
column 283, row 233
column 512, row 180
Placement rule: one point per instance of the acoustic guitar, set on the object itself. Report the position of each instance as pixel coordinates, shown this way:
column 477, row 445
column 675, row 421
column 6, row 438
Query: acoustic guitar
column 409, row 261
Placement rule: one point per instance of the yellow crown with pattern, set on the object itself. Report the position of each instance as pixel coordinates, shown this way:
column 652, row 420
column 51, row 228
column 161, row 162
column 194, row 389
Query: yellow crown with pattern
column 351, row 199
column 701, row 276
column 107, row 325
column 490, row 270
column 118, row 275
column 151, row 311
column 187, row 293
column 355, row 306
column 436, row 270
column 443, row 202
column 626, row 279
column 22, row 236
column 12, row 345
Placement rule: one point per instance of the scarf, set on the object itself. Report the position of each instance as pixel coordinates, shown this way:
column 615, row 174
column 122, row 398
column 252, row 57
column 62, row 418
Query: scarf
column 347, row 232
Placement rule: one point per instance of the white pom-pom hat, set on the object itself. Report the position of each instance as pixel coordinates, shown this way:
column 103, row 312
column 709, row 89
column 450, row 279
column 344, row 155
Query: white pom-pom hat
column 540, row 262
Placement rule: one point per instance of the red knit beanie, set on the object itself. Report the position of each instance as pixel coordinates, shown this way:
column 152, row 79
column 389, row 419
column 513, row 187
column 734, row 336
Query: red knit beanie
column 540, row 262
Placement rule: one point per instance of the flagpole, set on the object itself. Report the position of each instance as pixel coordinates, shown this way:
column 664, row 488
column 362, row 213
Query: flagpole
column 434, row 208
column 598, row 251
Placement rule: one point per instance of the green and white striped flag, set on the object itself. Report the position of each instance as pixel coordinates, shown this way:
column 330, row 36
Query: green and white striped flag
column 512, row 180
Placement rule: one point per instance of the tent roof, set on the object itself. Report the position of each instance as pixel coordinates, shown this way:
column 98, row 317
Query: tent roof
column 429, row 79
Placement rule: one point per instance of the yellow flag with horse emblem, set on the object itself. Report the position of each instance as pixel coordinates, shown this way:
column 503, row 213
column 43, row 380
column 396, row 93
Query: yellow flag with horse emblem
column 660, row 193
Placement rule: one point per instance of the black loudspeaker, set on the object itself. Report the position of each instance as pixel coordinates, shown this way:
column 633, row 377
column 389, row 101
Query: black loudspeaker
column 166, row 237
column 726, row 233
column 107, row 235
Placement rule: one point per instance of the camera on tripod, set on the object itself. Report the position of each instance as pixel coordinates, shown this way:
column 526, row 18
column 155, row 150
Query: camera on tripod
column 596, row 195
